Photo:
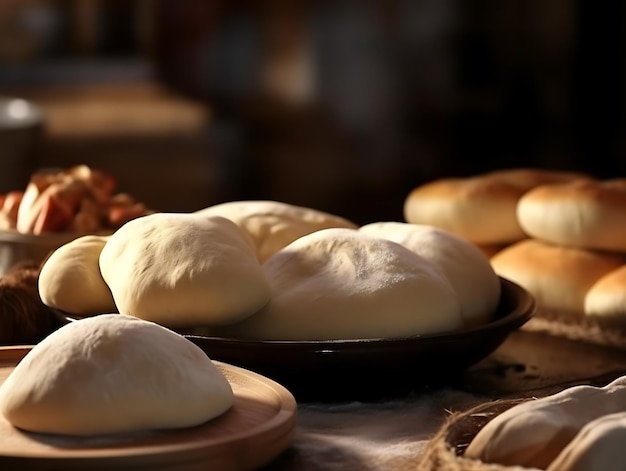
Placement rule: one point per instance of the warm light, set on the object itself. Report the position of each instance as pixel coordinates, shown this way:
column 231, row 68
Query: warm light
column 18, row 109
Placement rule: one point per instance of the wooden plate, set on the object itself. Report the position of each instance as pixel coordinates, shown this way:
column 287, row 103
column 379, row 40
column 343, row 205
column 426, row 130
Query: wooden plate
column 258, row 427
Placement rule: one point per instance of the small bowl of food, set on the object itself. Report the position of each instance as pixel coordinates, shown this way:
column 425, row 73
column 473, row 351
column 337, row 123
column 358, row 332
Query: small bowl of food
column 57, row 206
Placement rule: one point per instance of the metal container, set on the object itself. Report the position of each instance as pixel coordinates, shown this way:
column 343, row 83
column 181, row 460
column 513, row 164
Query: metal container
column 16, row 248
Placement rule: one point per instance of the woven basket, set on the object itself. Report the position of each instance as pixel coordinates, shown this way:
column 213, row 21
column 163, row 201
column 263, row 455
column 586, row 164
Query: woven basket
column 445, row 450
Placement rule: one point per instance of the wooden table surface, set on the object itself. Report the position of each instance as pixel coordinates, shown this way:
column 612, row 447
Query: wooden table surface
column 391, row 434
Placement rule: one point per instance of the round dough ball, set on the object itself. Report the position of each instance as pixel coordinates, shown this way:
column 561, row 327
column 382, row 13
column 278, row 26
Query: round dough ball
column 273, row 224
column 586, row 214
column 70, row 278
column 464, row 265
column 606, row 299
column 111, row 374
column 558, row 277
column 183, row 270
column 342, row 284
column 481, row 209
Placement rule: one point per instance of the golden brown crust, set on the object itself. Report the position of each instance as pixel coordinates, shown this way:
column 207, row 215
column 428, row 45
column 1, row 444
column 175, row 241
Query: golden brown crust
column 606, row 299
column 583, row 213
column 527, row 178
column 481, row 208
column 558, row 277
column 609, row 192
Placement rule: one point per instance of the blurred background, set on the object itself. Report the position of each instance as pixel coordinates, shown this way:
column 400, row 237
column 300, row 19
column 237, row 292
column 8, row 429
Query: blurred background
column 340, row 105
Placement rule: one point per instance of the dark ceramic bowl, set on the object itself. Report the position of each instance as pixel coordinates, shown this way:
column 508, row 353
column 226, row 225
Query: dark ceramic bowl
column 367, row 369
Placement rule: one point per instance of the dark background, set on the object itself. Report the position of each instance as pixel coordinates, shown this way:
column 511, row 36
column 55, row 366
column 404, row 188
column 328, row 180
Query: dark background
column 341, row 105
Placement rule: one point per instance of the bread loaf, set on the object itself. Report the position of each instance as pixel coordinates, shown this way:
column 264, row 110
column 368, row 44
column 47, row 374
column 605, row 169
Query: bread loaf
column 558, row 277
column 482, row 208
column 606, row 299
column 585, row 213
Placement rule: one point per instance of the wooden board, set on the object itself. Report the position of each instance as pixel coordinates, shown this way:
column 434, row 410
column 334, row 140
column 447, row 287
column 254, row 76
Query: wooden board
column 258, row 427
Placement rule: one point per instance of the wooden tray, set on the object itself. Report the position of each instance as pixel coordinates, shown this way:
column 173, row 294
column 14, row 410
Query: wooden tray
column 258, row 427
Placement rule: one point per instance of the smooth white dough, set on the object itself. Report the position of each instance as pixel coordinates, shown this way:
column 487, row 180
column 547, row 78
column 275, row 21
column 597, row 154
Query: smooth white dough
column 183, row 269
column 465, row 266
column 342, row 284
column 70, row 278
column 110, row 374
column 274, row 224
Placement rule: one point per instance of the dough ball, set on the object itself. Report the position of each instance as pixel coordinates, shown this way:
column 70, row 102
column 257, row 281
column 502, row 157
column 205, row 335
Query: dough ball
column 464, row 265
column 482, row 208
column 342, row 284
column 112, row 374
column 183, row 270
column 606, row 299
column 273, row 224
column 70, row 278
column 558, row 277
column 587, row 214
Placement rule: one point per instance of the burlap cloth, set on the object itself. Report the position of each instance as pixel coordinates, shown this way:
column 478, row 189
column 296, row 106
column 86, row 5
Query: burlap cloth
column 444, row 450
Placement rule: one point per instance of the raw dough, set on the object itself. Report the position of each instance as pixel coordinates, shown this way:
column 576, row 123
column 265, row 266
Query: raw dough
column 183, row 270
column 343, row 284
column 70, row 278
column 464, row 265
column 113, row 374
column 274, row 224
